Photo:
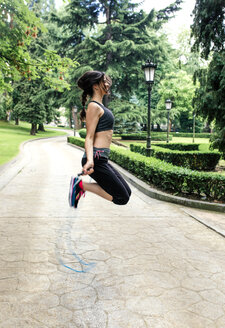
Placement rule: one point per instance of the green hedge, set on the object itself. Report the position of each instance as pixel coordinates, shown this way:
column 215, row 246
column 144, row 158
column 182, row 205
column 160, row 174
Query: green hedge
column 83, row 133
column 76, row 141
column 194, row 160
column 155, row 136
column 180, row 146
column 167, row 177
column 190, row 135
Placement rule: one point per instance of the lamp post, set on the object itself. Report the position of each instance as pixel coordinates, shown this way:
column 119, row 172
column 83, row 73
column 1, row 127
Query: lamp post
column 74, row 113
column 149, row 70
column 168, row 107
column 194, row 114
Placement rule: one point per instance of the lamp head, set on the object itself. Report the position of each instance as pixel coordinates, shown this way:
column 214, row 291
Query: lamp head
column 168, row 103
column 149, row 70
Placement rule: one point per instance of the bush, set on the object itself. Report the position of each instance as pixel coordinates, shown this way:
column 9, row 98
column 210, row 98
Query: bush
column 165, row 176
column 155, row 136
column 82, row 133
column 195, row 160
column 76, row 141
column 180, row 146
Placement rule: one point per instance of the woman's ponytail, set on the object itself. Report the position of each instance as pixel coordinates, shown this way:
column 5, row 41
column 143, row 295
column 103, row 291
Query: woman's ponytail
column 83, row 112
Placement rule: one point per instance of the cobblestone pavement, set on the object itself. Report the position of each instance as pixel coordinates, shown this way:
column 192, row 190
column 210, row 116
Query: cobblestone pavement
column 155, row 266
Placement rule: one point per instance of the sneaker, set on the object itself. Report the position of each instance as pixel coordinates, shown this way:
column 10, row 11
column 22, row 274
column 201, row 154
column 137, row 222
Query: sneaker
column 78, row 193
column 73, row 182
column 75, row 191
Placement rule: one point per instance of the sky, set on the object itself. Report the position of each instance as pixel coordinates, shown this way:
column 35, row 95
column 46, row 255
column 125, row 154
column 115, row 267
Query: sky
column 181, row 20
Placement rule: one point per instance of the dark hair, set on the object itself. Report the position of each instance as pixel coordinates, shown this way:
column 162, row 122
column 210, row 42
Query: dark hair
column 86, row 82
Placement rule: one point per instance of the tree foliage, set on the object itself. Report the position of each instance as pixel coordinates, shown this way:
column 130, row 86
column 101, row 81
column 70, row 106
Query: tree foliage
column 209, row 33
column 208, row 26
column 179, row 88
column 118, row 44
column 128, row 115
column 19, row 30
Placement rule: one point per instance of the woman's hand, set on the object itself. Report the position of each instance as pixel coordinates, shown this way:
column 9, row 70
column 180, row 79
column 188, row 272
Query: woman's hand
column 88, row 168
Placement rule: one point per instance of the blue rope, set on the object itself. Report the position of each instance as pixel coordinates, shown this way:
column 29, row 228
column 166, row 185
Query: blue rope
column 80, row 261
column 69, row 245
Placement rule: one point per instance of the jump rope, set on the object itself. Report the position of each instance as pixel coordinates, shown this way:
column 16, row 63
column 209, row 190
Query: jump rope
column 66, row 229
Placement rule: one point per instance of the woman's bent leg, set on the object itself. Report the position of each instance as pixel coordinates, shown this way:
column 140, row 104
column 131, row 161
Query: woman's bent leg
column 96, row 189
column 110, row 181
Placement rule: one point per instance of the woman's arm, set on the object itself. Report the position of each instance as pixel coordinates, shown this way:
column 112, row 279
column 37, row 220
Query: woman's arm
column 92, row 117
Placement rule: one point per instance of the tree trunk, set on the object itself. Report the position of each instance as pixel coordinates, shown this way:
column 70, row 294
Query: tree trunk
column 33, row 129
column 17, row 121
column 70, row 120
column 158, row 127
column 41, row 127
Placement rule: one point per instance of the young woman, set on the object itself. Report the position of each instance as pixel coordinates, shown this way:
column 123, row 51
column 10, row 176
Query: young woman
column 99, row 124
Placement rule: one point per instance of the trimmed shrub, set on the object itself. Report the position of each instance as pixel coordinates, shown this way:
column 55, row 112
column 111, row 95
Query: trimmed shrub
column 76, row 141
column 180, row 146
column 167, row 177
column 195, row 160
column 82, row 133
column 155, row 136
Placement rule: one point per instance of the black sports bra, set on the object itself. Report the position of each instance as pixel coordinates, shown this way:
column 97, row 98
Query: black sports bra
column 106, row 121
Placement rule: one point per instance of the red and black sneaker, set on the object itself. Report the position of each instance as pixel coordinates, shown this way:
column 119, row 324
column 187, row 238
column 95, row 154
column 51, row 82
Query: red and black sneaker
column 78, row 193
column 75, row 191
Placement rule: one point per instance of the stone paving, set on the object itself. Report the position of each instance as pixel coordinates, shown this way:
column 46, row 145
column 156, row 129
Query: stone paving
column 155, row 266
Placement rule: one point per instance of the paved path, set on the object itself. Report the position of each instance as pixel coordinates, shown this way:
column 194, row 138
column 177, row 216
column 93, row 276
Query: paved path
column 155, row 266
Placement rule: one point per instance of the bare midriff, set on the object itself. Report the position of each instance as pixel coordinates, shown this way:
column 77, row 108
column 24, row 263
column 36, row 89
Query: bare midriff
column 103, row 139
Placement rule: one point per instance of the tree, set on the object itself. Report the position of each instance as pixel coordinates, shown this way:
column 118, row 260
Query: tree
column 208, row 27
column 34, row 103
column 126, row 38
column 20, row 28
column 117, row 45
column 210, row 97
column 209, row 34
column 186, row 59
column 128, row 115
column 180, row 89
column 46, row 73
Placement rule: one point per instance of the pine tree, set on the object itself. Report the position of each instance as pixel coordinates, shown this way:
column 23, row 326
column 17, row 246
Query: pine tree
column 208, row 31
column 118, row 45
column 208, row 26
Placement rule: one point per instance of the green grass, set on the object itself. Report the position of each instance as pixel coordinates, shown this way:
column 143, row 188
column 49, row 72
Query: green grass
column 58, row 127
column 189, row 140
column 11, row 136
column 204, row 142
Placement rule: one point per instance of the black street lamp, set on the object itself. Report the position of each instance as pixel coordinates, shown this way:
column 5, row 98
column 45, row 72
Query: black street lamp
column 149, row 70
column 168, row 107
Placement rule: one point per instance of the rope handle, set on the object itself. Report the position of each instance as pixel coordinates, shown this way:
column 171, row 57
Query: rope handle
column 79, row 174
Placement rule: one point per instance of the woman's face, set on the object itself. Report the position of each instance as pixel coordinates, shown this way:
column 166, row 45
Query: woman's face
column 105, row 85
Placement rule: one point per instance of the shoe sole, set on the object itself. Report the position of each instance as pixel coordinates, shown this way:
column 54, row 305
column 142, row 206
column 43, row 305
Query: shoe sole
column 73, row 182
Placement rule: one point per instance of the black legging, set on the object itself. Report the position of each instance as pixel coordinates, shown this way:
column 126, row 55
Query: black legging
column 110, row 180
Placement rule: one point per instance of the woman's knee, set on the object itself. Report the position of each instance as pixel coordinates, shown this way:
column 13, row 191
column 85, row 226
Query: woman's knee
column 129, row 191
column 122, row 200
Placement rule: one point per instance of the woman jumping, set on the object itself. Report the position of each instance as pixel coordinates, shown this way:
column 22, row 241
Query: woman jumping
column 99, row 124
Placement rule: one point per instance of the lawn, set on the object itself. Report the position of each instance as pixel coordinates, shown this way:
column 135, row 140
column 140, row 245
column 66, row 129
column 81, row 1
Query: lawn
column 11, row 136
column 204, row 142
